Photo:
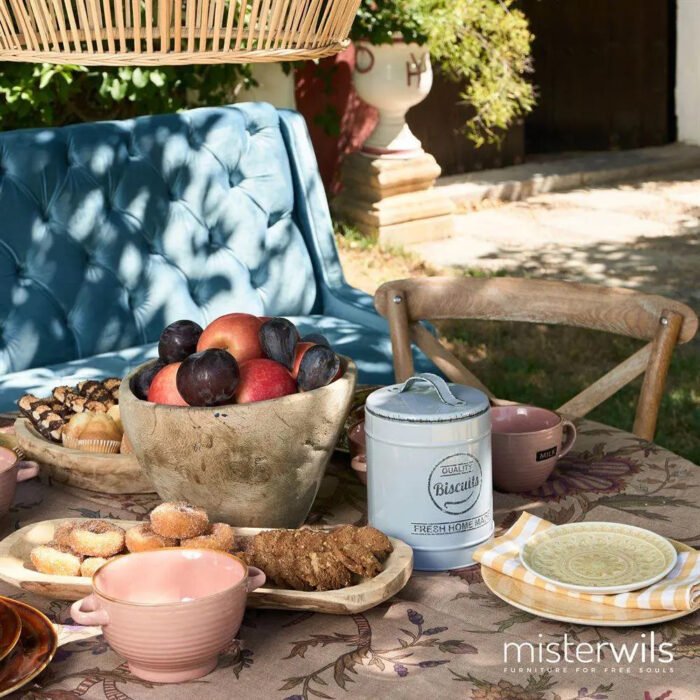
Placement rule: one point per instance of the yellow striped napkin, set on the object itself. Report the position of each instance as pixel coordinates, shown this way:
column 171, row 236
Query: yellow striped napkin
column 679, row 590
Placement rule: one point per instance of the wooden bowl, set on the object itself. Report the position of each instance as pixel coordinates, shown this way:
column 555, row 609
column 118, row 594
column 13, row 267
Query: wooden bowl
column 250, row 465
column 103, row 473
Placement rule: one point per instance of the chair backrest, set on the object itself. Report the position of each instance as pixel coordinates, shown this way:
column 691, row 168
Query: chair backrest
column 112, row 230
column 663, row 322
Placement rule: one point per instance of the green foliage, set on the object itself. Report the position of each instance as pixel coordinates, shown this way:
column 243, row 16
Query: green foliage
column 379, row 21
column 484, row 43
column 44, row 94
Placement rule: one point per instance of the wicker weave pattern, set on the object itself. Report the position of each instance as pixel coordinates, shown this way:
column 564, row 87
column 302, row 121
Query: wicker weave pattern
column 172, row 32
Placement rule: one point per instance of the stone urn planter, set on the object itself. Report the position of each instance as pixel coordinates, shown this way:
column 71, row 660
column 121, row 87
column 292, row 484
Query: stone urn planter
column 274, row 85
column 250, row 465
column 392, row 78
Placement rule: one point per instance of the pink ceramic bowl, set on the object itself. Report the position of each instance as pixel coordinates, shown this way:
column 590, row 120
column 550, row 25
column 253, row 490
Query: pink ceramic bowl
column 10, row 474
column 169, row 612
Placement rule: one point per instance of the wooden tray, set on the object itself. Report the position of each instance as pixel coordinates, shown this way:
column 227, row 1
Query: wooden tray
column 555, row 606
column 115, row 474
column 15, row 570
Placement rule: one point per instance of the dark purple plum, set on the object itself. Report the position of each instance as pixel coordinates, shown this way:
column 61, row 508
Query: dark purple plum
column 178, row 340
column 318, row 367
column 316, row 339
column 279, row 338
column 208, row 378
column 140, row 382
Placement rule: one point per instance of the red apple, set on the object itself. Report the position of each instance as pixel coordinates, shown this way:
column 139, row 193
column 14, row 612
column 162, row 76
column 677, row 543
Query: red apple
column 264, row 379
column 237, row 333
column 163, row 388
column 298, row 354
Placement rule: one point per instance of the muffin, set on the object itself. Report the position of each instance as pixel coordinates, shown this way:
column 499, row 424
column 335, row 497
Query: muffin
column 93, row 432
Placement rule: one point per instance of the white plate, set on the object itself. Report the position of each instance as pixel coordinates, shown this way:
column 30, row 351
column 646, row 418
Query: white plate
column 16, row 569
column 598, row 558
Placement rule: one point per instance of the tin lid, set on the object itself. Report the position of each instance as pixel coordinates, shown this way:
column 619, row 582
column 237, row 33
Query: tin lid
column 426, row 398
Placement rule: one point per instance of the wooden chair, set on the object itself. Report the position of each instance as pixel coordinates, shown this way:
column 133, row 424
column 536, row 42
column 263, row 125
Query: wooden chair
column 661, row 321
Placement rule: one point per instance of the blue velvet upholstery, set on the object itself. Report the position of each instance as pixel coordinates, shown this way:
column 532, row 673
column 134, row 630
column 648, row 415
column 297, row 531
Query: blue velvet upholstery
column 113, row 230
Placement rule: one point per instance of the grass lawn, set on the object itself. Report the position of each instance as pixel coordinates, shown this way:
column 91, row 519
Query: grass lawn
column 545, row 365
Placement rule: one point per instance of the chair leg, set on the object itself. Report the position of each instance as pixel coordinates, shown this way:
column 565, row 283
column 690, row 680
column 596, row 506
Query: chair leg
column 397, row 315
column 652, row 391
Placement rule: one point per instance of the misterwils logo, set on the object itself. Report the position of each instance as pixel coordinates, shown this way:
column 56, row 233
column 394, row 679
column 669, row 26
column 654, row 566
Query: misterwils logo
column 568, row 651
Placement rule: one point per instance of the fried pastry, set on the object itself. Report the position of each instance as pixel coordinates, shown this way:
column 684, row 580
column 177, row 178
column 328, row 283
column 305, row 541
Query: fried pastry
column 142, row 539
column 91, row 565
column 49, row 416
column 179, row 520
column 96, row 538
column 61, row 535
column 310, row 559
column 220, row 537
column 53, row 558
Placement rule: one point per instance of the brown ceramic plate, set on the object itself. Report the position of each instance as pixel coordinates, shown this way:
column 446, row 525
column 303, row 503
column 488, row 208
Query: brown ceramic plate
column 33, row 652
column 10, row 629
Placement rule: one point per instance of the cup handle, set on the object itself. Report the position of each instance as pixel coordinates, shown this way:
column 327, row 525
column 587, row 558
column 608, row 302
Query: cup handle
column 86, row 612
column 27, row 470
column 256, row 578
column 569, row 428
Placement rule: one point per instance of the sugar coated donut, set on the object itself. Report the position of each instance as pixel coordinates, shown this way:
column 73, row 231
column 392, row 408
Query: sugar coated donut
column 91, row 565
column 61, row 534
column 179, row 520
column 96, row 538
column 220, row 537
column 142, row 539
column 55, row 559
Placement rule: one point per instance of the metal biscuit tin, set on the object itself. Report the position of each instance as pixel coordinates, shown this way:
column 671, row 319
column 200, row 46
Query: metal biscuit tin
column 429, row 469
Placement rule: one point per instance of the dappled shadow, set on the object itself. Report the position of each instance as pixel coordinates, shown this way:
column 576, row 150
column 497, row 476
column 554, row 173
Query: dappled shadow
column 115, row 229
column 666, row 265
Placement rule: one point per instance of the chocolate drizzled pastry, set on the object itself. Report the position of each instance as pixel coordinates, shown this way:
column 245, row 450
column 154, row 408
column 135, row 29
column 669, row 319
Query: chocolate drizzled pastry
column 50, row 415
column 61, row 393
column 309, row 559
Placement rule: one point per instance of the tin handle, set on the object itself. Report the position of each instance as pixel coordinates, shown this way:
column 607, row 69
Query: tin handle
column 439, row 384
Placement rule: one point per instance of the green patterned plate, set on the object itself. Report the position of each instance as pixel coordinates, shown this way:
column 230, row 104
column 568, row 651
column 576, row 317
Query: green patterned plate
column 602, row 558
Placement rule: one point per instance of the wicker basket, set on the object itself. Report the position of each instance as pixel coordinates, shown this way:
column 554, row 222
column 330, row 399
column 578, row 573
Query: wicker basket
column 172, row 32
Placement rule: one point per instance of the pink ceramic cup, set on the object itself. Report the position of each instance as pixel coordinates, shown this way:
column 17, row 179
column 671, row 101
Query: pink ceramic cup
column 169, row 612
column 358, row 450
column 526, row 443
column 11, row 472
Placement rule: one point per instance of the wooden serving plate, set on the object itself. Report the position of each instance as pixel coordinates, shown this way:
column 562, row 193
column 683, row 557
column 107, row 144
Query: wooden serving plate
column 104, row 473
column 16, row 569
column 555, row 606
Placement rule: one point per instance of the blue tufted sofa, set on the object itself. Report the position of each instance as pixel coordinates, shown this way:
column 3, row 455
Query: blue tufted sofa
column 112, row 230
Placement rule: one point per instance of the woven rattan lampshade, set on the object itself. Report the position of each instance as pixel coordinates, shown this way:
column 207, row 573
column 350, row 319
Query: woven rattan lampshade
column 172, row 32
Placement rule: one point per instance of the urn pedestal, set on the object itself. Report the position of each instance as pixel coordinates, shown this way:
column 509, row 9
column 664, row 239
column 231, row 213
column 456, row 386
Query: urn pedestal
column 388, row 185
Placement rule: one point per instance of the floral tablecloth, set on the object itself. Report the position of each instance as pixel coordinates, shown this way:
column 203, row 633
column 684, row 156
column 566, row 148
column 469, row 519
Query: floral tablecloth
column 443, row 634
